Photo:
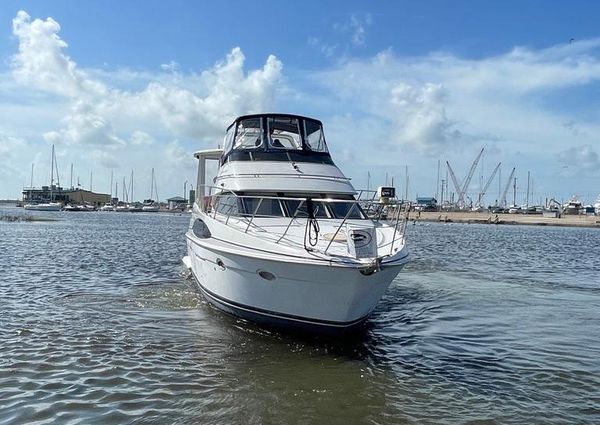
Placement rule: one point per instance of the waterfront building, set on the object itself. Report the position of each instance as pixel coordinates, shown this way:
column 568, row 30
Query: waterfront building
column 54, row 193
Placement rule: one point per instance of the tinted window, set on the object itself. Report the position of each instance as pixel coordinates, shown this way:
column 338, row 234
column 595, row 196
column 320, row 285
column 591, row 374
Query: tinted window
column 265, row 208
column 298, row 208
column 341, row 209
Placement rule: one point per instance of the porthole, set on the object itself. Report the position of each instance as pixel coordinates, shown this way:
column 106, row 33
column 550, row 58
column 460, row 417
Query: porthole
column 266, row 275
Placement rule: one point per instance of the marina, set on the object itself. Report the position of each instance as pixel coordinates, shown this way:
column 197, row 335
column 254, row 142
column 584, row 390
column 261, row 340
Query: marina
column 486, row 323
column 370, row 213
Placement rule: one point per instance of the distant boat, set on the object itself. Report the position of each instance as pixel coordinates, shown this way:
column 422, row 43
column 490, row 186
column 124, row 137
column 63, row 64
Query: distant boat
column 573, row 207
column 135, row 207
column 150, row 205
column 107, row 207
column 47, row 206
column 597, row 206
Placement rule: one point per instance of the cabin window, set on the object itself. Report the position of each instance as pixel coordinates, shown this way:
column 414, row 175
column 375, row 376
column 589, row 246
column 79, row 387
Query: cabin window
column 228, row 141
column 299, row 209
column 341, row 209
column 284, row 133
column 229, row 205
column 249, row 134
column 265, row 208
column 315, row 139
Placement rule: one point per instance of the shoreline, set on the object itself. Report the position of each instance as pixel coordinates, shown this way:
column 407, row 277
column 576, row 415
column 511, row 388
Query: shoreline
column 506, row 219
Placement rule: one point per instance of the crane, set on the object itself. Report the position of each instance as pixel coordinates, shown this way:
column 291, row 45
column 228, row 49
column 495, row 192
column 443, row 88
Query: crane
column 454, row 180
column 508, row 182
column 487, row 185
column 462, row 190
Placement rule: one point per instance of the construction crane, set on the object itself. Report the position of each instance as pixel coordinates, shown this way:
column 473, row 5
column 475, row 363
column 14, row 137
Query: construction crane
column 508, row 182
column 487, row 185
column 461, row 190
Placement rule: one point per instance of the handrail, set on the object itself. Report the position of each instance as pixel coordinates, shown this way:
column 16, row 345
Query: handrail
column 399, row 208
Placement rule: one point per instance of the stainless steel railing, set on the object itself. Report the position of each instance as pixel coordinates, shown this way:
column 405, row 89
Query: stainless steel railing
column 393, row 212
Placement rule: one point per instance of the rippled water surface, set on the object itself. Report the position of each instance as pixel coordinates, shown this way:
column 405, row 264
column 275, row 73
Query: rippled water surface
column 488, row 324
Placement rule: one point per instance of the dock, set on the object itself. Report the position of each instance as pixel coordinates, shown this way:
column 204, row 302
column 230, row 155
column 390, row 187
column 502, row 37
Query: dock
column 590, row 221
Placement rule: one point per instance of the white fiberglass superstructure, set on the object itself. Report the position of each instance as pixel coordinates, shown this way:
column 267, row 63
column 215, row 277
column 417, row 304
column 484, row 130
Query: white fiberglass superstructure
column 283, row 238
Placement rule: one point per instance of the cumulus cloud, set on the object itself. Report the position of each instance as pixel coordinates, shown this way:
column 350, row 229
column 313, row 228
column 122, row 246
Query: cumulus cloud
column 419, row 114
column 583, row 158
column 441, row 101
column 85, row 126
column 41, row 62
column 199, row 112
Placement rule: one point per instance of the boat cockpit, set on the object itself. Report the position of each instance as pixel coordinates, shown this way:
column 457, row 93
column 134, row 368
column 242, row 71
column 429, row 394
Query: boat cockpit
column 276, row 137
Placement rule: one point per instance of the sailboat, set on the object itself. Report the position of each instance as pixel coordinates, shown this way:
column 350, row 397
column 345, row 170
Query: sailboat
column 47, row 206
column 150, row 205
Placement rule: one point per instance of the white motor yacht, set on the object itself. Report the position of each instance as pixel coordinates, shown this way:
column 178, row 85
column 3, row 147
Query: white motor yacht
column 573, row 207
column 282, row 238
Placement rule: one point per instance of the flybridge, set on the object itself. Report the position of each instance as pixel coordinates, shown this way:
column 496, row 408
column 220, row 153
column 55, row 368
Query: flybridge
column 276, row 137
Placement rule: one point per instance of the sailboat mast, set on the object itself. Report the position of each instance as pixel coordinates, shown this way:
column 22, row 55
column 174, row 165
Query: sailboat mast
column 111, row 182
column 52, row 176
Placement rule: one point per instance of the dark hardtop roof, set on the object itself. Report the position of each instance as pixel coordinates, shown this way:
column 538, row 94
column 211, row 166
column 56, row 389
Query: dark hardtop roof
column 273, row 114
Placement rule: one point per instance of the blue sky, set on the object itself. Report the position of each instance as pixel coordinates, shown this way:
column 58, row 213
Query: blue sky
column 118, row 86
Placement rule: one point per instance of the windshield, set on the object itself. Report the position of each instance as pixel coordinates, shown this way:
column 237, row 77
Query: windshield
column 315, row 139
column 284, row 133
column 249, row 134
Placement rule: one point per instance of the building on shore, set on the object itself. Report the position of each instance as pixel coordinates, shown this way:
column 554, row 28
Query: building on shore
column 37, row 195
column 177, row 203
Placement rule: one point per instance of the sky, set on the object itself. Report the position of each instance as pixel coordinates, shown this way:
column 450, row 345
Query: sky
column 130, row 86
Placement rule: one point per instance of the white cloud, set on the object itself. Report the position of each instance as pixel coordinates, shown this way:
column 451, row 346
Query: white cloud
column 41, row 61
column 141, row 138
column 170, row 67
column 8, row 147
column 580, row 158
column 201, row 113
column 107, row 160
column 441, row 101
column 85, row 126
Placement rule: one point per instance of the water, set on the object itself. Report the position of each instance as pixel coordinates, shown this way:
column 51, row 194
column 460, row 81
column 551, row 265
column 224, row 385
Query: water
column 488, row 324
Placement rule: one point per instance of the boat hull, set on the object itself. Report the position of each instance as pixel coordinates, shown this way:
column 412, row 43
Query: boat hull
column 43, row 207
column 297, row 296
